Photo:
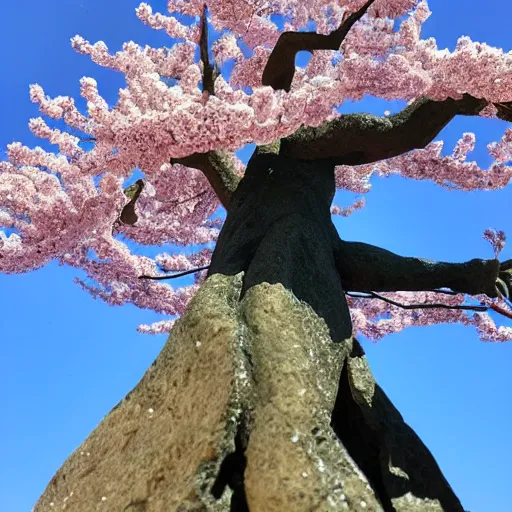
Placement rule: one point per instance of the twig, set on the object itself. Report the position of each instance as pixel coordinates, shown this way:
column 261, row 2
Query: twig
column 176, row 202
column 373, row 295
column 500, row 310
column 197, row 196
column 446, row 292
column 179, row 274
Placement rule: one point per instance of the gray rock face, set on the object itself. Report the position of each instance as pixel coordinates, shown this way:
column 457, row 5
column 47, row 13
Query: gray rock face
column 160, row 448
column 234, row 415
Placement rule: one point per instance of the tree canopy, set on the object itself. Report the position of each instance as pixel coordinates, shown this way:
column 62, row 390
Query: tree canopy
column 188, row 106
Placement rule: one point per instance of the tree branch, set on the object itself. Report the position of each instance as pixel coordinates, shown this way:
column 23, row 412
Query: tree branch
column 219, row 170
column 217, row 166
column 210, row 72
column 356, row 139
column 373, row 295
column 174, row 276
column 280, row 67
column 128, row 215
column 368, row 295
column 363, row 267
column 504, row 111
column 501, row 311
column 366, row 268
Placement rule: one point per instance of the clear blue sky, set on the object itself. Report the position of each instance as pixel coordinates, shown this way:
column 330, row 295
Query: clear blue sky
column 66, row 359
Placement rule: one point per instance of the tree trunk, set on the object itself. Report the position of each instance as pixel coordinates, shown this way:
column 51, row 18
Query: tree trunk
column 250, row 405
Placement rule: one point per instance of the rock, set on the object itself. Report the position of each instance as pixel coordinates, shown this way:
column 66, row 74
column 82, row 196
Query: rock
column 234, row 415
column 161, row 447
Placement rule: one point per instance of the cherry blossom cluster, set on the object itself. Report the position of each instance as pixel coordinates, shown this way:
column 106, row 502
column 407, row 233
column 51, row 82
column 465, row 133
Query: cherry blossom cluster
column 376, row 318
column 453, row 171
column 496, row 238
column 349, row 210
column 66, row 204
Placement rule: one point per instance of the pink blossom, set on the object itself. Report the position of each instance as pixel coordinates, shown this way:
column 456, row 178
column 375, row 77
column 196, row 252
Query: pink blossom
column 452, row 172
column 226, row 48
column 496, row 238
column 501, row 151
column 66, row 204
column 161, row 327
column 158, row 21
column 345, row 212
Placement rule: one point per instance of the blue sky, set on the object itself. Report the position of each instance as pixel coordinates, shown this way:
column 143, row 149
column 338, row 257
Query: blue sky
column 66, row 359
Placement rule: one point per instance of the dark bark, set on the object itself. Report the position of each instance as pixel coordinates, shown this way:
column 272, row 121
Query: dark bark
column 219, row 170
column 280, row 67
column 128, row 215
column 209, row 71
column 377, row 437
column 279, row 230
column 364, row 267
column 356, row 139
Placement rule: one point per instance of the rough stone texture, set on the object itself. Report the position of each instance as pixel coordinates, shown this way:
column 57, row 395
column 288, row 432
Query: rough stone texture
column 235, row 414
column 160, row 448
column 294, row 460
column 265, row 365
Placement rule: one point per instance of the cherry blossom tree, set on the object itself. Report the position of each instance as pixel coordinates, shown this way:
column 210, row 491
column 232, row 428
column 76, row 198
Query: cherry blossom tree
column 179, row 120
column 181, row 117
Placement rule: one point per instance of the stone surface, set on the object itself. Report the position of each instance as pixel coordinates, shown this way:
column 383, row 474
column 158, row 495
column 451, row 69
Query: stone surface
column 235, row 415
column 160, row 448
column 294, row 460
